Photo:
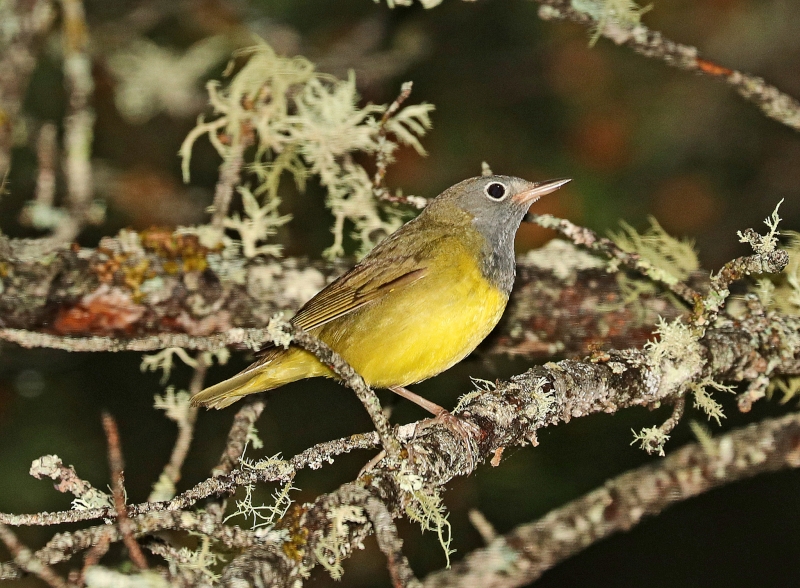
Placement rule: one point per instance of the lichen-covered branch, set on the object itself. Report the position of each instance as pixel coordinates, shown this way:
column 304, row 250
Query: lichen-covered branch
column 523, row 555
column 757, row 345
column 243, row 423
column 770, row 100
column 352, row 380
column 153, row 290
column 28, row 561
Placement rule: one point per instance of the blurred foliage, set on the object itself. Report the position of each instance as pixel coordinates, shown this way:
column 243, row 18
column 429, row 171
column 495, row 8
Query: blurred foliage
column 532, row 99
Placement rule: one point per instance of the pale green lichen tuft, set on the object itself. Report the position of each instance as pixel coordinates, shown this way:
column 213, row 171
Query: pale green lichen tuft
column 252, row 439
column 163, row 360
column 651, row 439
column 304, row 123
column 672, row 257
column 763, row 243
column 781, row 291
column 198, row 562
column 703, row 436
column 330, row 549
column 424, row 506
column 276, row 329
column 174, row 404
column 676, row 354
column 265, row 515
column 622, row 14
column 789, row 387
column 703, row 399
column 257, row 224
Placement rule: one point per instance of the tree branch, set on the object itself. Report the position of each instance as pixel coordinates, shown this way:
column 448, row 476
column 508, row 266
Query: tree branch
column 565, row 301
column 28, row 561
column 523, row 555
column 772, row 102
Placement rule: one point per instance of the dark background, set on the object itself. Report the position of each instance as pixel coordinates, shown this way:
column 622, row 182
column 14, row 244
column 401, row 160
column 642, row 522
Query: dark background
column 533, row 100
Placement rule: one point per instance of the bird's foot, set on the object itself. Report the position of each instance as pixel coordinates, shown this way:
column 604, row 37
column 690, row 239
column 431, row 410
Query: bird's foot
column 461, row 428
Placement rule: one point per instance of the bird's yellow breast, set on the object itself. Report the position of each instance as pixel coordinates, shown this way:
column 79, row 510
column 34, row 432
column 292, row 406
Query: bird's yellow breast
column 418, row 331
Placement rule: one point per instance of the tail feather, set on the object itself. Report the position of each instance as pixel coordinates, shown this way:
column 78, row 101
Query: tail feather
column 227, row 392
column 276, row 368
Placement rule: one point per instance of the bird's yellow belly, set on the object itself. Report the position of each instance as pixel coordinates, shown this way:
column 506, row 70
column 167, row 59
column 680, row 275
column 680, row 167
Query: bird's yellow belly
column 417, row 332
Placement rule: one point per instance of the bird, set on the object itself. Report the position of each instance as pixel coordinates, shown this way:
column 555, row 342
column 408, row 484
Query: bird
column 417, row 304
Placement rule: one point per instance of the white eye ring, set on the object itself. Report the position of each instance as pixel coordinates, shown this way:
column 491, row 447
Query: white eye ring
column 496, row 191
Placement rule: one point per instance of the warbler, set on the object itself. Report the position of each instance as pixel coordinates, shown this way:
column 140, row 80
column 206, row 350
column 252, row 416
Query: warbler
column 417, row 304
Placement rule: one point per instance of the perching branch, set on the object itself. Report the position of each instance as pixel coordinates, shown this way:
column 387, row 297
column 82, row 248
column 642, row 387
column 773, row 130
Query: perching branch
column 352, row 380
column 523, row 555
column 772, row 102
column 512, row 413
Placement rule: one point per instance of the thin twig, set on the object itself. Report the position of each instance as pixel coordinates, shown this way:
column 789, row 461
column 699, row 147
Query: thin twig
column 585, row 237
column 390, row 544
column 27, row 560
column 46, row 151
column 352, row 380
column 117, row 466
column 772, row 102
column 97, row 551
column 229, row 176
column 312, row 457
column 237, row 437
column 482, row 525
column 771, row 262
column 78, row 123
column 67, row 479
column 249, row 338
column 172, row 471
column 382, row 159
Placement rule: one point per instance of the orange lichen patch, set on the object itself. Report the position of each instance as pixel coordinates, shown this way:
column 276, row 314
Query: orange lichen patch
column 5, row 269
column 106, row 270
column 712, row 69
column 104, row 311
column 182, row 252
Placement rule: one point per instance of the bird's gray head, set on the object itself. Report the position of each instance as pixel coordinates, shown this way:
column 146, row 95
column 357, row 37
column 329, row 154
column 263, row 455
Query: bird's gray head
column 496, row 205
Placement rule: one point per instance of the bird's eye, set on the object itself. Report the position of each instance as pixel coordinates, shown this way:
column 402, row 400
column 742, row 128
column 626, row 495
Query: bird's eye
column 495, row 191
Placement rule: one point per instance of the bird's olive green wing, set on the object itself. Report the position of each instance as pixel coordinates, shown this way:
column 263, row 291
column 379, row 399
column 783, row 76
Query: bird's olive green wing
column 395, row 263
column 357, row 288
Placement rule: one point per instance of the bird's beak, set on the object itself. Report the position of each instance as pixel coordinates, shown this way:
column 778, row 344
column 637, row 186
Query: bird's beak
column 536, row 191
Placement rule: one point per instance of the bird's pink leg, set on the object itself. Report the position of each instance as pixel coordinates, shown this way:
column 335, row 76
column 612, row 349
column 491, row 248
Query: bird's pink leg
column 462, row 428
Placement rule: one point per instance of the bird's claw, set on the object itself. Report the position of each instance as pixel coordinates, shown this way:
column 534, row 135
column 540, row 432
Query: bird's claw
column 462, row 429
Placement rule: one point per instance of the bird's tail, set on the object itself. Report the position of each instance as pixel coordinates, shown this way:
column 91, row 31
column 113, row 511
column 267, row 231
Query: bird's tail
column 275, row 368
